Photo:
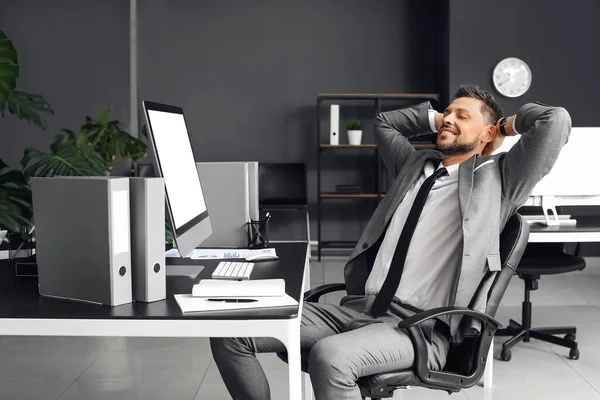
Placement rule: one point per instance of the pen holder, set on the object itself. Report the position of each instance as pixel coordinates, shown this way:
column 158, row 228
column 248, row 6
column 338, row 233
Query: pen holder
column 258, row 234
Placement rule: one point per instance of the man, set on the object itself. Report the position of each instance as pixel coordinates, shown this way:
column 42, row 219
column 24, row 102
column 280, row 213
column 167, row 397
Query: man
column 442, row 250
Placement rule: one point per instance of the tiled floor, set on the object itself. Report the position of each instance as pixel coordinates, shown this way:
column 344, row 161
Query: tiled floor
column 34, row 368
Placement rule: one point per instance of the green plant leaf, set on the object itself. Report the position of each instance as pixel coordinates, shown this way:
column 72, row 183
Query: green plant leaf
column 66, row 158
column 15, row 199
column 110, row 141
column 103, row 119
column 9, row 69
column 353, row 124
column 29, row 106
column 169, row 237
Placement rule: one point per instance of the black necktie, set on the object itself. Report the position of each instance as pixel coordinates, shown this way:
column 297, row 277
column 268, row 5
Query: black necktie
column 388, row 290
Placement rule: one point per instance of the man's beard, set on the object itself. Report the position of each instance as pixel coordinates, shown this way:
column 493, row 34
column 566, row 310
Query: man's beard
column 456, row 149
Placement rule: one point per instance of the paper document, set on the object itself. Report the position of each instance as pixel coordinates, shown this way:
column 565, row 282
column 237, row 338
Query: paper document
column 236, row 289
column 221, row 254
column 189, row 304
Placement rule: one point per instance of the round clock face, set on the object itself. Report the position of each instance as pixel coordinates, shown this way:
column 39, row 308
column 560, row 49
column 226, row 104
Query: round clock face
column 512, row 77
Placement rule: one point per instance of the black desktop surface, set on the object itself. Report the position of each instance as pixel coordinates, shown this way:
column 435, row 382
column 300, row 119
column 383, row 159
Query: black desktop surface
column 19, row 296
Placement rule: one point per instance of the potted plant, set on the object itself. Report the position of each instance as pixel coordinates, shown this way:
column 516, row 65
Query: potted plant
column 354, row 131
column 93, row 150
column 15, row 196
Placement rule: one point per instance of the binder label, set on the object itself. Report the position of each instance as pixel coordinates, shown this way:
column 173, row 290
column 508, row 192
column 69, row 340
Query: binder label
column 120, row 221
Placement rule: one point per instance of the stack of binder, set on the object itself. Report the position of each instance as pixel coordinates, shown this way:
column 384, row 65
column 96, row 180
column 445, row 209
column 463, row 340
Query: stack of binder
column 100, row 239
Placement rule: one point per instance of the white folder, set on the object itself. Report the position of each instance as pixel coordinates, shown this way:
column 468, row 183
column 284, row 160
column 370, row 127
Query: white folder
column 83, row 238
column 147, row 197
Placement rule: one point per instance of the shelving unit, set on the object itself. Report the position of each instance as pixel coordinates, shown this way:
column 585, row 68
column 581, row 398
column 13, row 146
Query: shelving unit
column 324, row 149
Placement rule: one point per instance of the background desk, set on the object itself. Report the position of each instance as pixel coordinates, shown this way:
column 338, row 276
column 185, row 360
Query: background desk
column 24, row 312
column 582, row 232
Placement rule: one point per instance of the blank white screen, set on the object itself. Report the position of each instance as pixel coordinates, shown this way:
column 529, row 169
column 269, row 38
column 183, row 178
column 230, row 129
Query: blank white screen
column 174, row 153
column 572, row 173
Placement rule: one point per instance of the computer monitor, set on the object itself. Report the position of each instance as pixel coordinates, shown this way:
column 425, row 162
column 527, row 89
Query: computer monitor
column 571, row 181
column 571, row 178
column 174, row 161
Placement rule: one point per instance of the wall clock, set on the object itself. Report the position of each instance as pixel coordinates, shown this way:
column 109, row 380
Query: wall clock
column 512, row 77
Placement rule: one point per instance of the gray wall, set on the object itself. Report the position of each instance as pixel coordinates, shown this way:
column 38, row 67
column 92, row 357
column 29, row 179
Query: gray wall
column 559, row 41
column 247, row 74
column 76, row 54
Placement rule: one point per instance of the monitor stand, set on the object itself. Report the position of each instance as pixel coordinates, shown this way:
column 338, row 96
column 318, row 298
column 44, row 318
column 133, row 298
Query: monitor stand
column 191, row 271
column 186, row 270
column 551, row 217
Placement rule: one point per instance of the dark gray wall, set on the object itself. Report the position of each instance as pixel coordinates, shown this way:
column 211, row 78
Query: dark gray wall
column 559, row 41
column 247, row 74
column 76, row 54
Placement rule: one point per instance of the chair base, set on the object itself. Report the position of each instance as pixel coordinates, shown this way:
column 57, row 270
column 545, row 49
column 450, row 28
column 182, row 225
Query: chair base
column 381, row 393
column 519, row 333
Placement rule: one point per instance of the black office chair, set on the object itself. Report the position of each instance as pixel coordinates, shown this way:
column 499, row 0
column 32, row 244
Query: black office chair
column 542, row 259
column 466, row 361
column 283, row 187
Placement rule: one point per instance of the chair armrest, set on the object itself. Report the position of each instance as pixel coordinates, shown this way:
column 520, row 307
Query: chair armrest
column 446, row 379
column 441, row 311
column 313, row 295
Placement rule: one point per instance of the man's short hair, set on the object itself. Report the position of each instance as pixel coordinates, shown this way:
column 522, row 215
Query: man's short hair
column 490, row 109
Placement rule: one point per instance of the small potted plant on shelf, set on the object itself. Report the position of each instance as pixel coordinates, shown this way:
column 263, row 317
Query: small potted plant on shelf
column 354, row 131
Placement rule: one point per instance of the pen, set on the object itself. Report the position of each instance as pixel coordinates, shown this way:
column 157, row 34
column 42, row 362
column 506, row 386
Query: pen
column 233, row 300
column 257, row 235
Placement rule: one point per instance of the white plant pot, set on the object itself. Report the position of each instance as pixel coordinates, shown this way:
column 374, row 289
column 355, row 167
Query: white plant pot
column 354, row 137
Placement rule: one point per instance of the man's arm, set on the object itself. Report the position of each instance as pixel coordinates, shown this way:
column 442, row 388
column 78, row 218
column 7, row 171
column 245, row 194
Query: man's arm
column 392, row 130
column 544, row 131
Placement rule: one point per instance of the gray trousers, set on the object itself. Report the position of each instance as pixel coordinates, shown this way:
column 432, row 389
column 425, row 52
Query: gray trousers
column 344, row 343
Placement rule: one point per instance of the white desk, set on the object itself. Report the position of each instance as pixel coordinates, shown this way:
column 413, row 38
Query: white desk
column 24, row 313
column 569, row 234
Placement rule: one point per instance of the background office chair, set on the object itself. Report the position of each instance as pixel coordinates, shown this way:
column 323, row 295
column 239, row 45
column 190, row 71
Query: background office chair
column 541, row 259
column 466, row 361
column 282, row 187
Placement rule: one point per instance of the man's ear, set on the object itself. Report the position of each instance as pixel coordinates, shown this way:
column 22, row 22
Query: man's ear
column 489, row 134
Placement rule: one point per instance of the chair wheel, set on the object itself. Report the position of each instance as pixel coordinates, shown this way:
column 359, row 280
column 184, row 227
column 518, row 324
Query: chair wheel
column 570, row 337
column 574, row 354
column 505, row 355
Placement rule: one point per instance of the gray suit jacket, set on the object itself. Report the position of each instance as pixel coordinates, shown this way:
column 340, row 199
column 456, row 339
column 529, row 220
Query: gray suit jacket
column 491, row 188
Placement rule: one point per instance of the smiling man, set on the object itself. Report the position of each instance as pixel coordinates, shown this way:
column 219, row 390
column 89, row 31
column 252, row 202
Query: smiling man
column 455, row 138
column 433, row 241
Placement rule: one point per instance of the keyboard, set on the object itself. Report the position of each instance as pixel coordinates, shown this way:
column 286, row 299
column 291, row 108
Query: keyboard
column 233, row 270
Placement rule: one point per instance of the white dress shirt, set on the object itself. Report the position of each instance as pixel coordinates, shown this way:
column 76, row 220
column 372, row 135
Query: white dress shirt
column 507, row 143
column 435, row 250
